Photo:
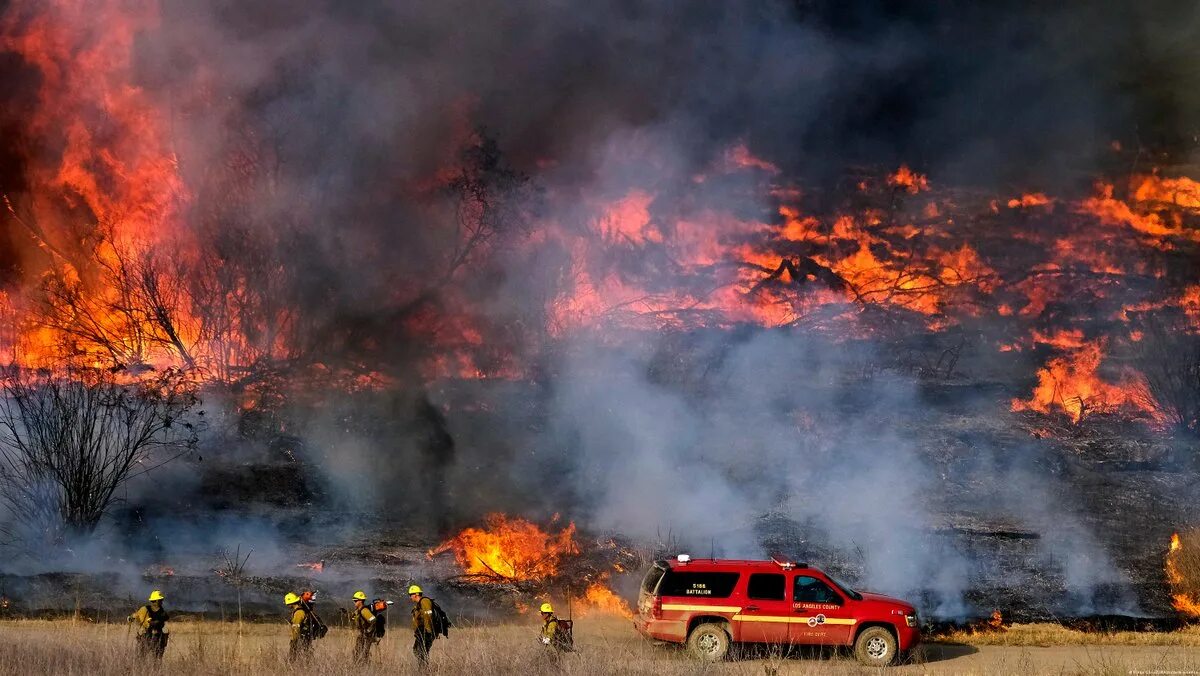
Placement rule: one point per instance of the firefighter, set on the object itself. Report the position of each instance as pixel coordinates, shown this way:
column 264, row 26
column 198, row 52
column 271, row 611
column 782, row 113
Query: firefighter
column 300, row 646
column 364, row 622
column 152, row 627
column 422, row 624
column 550, row 636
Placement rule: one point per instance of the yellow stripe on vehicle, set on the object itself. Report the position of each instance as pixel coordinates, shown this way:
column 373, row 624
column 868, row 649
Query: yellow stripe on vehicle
column 715, row 609
column 791, row 620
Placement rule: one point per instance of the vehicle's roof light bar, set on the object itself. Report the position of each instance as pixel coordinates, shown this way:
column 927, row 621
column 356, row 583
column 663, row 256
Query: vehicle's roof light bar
column 786, row 564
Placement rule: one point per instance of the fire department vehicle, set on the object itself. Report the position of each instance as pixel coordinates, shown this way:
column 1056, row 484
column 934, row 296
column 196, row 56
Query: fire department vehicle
column 711, row 604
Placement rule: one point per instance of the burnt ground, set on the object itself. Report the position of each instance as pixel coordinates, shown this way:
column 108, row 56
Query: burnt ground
column 1117, row 486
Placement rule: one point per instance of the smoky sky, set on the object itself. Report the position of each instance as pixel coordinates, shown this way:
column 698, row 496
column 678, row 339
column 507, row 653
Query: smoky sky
column 988, row 91
column 999, row 90
column 347, row 103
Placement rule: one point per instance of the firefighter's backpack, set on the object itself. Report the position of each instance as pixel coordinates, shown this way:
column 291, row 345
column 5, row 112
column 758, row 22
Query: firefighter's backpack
column 317, row 627
column 379, row 609
column 563, row 636
column 441, row 621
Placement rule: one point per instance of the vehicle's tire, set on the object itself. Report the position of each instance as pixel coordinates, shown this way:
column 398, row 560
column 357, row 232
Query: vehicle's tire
column 876, row 647
column 709, row 642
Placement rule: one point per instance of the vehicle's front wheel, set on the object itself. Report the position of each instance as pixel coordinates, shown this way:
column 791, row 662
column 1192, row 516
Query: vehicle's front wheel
column 709, row 642
column 875, row 647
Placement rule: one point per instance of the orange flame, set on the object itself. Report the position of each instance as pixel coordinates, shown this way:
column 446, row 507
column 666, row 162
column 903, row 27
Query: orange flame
column 1028, row 200
column 908, row 179
column 1182, row 600
column 314, row 566
column 510, row 547
column 1069, row 383
column 601, row 598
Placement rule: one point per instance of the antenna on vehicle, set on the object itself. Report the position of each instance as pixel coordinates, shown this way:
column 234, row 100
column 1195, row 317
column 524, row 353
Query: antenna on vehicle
column 712, row 549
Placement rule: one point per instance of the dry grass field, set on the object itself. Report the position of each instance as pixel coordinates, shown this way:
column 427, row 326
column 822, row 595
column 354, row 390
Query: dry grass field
column 605, row 646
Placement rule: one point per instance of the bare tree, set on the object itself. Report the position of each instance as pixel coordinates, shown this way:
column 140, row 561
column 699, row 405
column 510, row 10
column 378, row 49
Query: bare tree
column 69, row 440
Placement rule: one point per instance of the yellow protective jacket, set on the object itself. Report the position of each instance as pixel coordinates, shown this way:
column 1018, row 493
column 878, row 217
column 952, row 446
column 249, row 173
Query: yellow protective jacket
column 364, row 621
column 148, row 617
column 299, row 620
column 550, row 628
column 422, row 615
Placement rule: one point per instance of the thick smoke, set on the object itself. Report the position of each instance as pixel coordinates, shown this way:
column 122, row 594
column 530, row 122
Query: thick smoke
column 342, row 106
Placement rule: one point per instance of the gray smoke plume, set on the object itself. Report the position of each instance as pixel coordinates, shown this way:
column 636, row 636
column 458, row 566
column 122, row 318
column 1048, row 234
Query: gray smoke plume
column 339, row 109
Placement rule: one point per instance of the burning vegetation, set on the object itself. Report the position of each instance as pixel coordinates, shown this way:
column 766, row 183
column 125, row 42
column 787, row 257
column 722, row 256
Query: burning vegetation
column 530, row 561
column 129, row 261
column 360, row 291
column 1183, row 572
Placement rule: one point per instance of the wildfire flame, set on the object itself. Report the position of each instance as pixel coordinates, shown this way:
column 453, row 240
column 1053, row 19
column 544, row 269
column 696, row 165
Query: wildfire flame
column 314, row 566
column 510, row 547
column 996, row 622
column 1184, row 594
column 109, row 192
column 1069, row 383
column 600, row 597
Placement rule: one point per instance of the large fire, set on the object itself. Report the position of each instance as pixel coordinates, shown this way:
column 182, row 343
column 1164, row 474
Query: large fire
column 514, row 549
column 1183, row 575
column 123, row 268
column 510, row 547
column 599, row 596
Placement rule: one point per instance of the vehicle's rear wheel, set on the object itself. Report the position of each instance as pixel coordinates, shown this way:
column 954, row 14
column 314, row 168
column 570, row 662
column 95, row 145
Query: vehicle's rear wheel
column 875, row 647
column 709, row 642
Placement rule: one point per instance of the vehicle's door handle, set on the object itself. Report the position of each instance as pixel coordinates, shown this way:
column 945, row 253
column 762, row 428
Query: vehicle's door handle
column 750, row 608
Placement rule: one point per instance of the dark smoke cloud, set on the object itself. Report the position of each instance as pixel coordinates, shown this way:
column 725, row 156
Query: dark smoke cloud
column 349, row 103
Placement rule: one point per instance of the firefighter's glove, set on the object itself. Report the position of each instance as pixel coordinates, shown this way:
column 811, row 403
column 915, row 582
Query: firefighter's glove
column 546, row 640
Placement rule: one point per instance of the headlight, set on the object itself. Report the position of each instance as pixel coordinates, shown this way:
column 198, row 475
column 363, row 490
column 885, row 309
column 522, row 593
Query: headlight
column 911, row 620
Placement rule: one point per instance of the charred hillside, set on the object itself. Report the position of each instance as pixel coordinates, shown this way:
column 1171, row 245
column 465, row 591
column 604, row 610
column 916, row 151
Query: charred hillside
column 909, row 291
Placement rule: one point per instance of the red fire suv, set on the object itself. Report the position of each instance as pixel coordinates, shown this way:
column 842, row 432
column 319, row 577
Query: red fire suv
column 710, row 604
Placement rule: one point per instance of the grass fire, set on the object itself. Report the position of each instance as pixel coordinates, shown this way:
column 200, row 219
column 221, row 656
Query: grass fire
column 535, row 330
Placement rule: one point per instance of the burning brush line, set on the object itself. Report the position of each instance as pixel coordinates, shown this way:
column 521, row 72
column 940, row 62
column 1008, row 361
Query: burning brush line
column 514, row 552
column 1182, row 569
column 146, row 286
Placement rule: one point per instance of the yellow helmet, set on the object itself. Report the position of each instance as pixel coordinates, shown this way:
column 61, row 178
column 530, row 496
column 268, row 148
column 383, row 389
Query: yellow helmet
column 156, row 595
column 290, row 598
column 413, row 589
column 360, row 596
column 547, row 608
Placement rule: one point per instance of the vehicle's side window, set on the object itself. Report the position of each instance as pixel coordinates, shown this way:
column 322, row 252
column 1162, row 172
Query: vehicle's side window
column 766, row 586
column 811, row 590
column 700, row 585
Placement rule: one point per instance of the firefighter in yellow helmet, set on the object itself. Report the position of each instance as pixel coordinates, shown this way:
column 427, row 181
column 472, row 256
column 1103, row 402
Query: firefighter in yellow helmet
column 364, row 622
column 422, row 624
column 152, row 626
column 300, row 646
column 551, row 636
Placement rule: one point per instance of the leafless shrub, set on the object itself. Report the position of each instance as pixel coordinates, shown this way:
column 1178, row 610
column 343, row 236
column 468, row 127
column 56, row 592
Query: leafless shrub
column 232, row 569
column 69, row 441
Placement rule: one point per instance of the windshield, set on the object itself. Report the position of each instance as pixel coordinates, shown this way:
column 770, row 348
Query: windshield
column 845, row 590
